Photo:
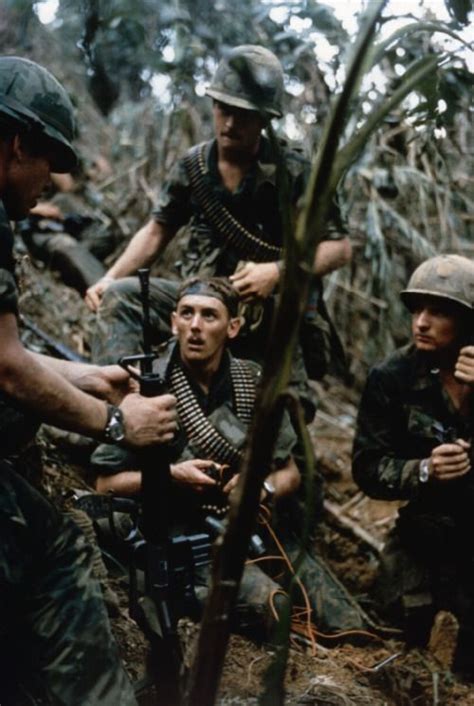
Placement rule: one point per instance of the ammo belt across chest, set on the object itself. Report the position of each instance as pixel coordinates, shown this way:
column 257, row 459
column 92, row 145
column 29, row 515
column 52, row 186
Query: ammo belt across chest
column 197, row 426
column 248, row 245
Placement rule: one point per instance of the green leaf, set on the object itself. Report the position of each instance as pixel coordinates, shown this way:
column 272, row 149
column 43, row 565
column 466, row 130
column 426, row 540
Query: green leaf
column 414, row 74
column 412, row 28
column 324, row 176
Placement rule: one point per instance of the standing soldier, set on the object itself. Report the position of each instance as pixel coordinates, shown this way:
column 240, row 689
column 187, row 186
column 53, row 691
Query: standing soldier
column 54, row 631
column 414, row 443
column 226, row 190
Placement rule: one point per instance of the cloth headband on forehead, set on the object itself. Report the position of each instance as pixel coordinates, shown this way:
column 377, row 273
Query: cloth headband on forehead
column 218, row 288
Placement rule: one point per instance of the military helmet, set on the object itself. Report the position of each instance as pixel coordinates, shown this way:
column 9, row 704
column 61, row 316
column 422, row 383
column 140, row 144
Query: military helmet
column 32, row 98
column 249, row 77
column 448, row 277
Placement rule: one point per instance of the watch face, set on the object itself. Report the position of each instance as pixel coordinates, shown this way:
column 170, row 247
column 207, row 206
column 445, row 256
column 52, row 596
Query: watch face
column 424, row 472
column 115, row 430
column 269, row 487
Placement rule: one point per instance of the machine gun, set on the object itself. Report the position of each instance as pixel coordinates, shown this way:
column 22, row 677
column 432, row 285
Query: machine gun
column 168, row 562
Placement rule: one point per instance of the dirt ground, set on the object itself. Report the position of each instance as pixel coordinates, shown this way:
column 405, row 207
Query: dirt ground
column 337, row 673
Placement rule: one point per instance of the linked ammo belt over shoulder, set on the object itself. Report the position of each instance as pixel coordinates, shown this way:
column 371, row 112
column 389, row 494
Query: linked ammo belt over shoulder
column 247, row 244
column 197, row 426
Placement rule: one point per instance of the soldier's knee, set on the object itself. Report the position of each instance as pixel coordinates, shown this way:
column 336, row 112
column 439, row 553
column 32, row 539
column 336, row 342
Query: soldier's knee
column 121, row 289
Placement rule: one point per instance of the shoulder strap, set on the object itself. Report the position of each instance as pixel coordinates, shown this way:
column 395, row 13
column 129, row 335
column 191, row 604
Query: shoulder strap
column 249, row 245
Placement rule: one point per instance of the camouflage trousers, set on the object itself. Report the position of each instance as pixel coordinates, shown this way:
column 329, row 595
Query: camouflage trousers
column 418, row 578
column 55, row 637
column 119, row 330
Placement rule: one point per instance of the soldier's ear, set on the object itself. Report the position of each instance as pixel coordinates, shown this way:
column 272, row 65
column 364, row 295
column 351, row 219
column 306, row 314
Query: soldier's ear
column 17, row 151
column 234, row 327
column 174, row 328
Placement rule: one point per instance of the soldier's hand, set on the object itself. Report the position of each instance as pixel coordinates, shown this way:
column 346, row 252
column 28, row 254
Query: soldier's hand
column 46, row 209
column 94, row 294
column 149, row 420
column 450, row 461
column 464, row 369
column 109, row 382
column 231, row 485
column 256, row 280
column 193, row 473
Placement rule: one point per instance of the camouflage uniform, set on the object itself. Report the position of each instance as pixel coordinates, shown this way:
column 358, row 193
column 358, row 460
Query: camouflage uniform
column 256, row 206
column 333, row 607
column 54, row 631
column 427, row 563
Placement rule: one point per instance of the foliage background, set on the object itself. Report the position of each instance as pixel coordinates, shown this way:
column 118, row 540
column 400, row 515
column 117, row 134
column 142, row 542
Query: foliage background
column 137, row 72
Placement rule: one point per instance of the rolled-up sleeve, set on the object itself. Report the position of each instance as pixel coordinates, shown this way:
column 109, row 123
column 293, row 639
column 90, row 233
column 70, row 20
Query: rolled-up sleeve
column 173, row 207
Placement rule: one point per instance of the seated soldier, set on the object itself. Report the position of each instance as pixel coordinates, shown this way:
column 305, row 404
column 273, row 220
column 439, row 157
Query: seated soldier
column 215, row 395
column 413, row 443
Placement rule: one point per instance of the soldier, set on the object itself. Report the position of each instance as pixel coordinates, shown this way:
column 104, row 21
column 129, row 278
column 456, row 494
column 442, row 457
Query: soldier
column 413, row 443
column 226, row 190
column 54, row 632
column 215, row 395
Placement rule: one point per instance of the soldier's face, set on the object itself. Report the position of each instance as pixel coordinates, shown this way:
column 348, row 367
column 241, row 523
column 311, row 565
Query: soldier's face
column 237, row 129
column 203, row 327
column 435, row 326
column 26, row 178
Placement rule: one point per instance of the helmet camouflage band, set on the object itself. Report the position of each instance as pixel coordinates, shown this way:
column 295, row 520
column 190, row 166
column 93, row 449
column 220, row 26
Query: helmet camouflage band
column 249, row 77
column 449, row 277
column 34, row 100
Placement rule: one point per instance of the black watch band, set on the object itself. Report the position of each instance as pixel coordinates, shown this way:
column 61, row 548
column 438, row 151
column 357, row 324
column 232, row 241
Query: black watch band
column 115, row 428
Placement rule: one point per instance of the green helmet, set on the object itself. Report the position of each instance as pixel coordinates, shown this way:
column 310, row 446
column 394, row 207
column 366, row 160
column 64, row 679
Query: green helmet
column 448, row 277
column 32, row 98
column 249, row 77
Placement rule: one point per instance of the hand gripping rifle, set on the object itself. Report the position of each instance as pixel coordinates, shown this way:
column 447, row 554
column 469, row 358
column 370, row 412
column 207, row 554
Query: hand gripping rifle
column 168, row 562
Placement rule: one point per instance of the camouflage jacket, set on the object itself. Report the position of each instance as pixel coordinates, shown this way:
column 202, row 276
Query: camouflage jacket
column 218, row 406
column 402, row 411
column 255, row 204
column 17, row 427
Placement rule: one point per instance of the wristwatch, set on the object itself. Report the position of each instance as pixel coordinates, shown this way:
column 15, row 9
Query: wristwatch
column 269, row 488
column 424, row 470
column 114, row 429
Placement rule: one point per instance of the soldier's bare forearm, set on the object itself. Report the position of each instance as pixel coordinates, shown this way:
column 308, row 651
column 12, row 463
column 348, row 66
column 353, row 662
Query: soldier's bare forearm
column 143, row 249
column 331, row 255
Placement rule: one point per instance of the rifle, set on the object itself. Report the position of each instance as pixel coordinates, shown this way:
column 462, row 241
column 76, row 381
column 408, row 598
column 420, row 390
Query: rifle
column 60, row 350
column 156, row 612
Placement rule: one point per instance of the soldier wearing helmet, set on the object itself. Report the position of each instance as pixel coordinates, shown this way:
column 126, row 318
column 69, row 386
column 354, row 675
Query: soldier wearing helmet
column 54, row 630
column 414, row 443
column 225, row 190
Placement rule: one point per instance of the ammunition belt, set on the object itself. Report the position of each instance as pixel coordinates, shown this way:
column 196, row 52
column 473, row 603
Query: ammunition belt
column 248, row 245
column 196, row 425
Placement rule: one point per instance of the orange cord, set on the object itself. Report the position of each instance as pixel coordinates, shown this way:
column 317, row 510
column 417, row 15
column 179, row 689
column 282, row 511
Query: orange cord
column 301, row 622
